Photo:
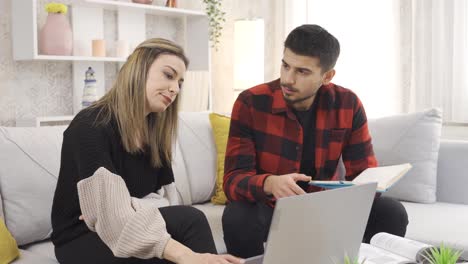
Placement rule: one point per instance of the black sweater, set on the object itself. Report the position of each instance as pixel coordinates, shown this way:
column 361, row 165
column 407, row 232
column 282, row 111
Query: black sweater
column 85, row 148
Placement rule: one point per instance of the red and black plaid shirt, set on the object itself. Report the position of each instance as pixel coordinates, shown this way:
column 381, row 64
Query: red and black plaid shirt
column 265, row 138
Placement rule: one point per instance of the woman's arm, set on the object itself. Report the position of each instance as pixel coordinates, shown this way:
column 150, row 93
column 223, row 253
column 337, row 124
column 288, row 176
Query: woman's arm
column 129, row 227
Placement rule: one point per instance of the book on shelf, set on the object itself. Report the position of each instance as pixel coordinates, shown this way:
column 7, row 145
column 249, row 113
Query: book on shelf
column 385, row 176
column 385, row 248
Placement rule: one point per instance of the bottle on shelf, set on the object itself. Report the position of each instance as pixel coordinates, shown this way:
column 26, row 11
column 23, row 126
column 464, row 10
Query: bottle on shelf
column 90, row 89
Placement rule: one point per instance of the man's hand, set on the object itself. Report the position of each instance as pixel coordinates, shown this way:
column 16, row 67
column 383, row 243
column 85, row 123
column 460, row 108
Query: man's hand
column 284, row 185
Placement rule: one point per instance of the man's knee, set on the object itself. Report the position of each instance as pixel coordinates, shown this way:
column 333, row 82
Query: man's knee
column 244, row 228
column 393, row 213
column 242, row 220
column 237, row 215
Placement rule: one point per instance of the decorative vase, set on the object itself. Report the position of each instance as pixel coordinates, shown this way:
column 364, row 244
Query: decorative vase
column 56, row 36
column 148, row 2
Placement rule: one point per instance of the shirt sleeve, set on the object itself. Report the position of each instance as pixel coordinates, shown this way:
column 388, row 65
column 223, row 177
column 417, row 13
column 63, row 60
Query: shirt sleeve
column 358, row 154
column 241, row 181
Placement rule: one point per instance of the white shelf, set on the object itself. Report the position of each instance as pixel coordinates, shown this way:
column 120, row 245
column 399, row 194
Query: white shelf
column 44, row 121
column 25, row 34
column 78, row 58
column 87, row 22
column 150, row 9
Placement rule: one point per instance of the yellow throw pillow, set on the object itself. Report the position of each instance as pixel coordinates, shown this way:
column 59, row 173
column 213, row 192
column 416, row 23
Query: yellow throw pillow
column 220, row 127
column 8, row 248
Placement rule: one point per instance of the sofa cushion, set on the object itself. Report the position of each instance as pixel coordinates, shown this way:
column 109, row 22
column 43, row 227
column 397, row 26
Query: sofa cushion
column 199, row 152
column 214, row 215
column 452, row 178
column 27, row 257
column 44, row 248
column 220, row 125
column 180, row 175
column 29, row 166
column 438, row 223
column 413, row 138
column 8, row 248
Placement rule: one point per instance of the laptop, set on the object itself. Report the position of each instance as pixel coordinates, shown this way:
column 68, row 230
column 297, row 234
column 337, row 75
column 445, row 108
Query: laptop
column 320, row 227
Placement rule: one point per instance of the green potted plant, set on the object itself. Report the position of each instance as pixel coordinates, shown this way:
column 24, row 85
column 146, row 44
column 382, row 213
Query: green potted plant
column 348, row 260
column 216, row 20
column 443, row 255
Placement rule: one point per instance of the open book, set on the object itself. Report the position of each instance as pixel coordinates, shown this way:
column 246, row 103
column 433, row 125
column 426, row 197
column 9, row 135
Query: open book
column 385, row 177
column 385, row 248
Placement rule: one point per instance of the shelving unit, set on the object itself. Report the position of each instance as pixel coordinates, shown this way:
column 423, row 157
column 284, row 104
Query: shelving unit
column 44, row 121
column 149, row 9
column 87, row 24
column 78, row 58
column 89, row 12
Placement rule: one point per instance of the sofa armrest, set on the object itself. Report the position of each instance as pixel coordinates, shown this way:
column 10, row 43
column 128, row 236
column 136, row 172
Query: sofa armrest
column 452, row 172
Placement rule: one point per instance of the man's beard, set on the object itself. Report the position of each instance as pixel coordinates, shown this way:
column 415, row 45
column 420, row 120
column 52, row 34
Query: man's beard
column 298, row 100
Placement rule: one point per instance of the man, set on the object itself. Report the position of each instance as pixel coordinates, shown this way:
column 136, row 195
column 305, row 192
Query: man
column 289, row 131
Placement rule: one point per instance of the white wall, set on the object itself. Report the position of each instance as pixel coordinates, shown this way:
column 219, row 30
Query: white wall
column 222, row 60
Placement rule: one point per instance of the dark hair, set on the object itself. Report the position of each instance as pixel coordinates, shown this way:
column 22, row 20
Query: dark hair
column 314, row 41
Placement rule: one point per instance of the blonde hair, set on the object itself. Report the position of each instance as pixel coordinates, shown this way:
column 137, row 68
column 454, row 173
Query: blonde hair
column 126, row 100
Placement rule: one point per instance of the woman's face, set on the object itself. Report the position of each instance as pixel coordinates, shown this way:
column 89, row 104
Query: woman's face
column 164, row 81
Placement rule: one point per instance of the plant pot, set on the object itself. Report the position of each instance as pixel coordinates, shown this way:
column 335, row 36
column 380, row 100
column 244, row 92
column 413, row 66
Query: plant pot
column 56, row 36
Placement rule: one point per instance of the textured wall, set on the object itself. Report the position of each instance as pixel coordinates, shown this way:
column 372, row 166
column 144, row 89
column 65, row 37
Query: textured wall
column 30, row 88
column 40, row 88
column 44, row 88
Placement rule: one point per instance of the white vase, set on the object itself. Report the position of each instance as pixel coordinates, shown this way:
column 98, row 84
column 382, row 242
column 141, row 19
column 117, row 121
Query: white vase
column 56, row 36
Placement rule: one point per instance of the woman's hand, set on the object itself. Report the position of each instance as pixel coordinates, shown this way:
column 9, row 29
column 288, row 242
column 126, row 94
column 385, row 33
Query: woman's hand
column 180, row 254
column 196, row 258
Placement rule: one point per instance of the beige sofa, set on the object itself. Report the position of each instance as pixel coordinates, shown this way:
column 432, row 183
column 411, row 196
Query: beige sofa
column 29, row 165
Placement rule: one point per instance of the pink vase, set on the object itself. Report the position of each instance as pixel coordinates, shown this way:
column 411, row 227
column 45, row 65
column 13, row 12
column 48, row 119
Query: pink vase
column 56, row 36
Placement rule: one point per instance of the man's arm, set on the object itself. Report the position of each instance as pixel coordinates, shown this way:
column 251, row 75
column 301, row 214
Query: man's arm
column 241, row 181
column 358, row 154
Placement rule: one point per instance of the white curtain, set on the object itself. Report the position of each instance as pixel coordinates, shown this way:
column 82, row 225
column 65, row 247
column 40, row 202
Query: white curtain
column 195, row 93
column 368, row 36
column 398, row 56
column 435, row 37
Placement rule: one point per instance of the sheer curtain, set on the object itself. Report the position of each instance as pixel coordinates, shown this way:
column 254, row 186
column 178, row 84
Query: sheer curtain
column 368, row 35
column 195, row 93
column 398, row 56
column 435, row 37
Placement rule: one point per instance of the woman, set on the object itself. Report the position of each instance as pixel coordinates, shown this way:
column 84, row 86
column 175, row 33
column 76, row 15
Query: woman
column 116, row 170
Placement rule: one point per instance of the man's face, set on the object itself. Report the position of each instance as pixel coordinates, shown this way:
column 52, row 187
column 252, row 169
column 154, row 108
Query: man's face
column 301, row 77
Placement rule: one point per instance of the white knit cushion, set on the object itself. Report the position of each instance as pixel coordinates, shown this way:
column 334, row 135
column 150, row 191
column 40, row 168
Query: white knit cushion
column 199, row 152
column 413, row 138
column 180, row 175
column 29, row 166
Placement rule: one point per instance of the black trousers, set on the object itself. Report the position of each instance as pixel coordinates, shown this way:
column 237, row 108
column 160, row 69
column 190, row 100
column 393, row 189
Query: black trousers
column 246, row 225
column 185, row 224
